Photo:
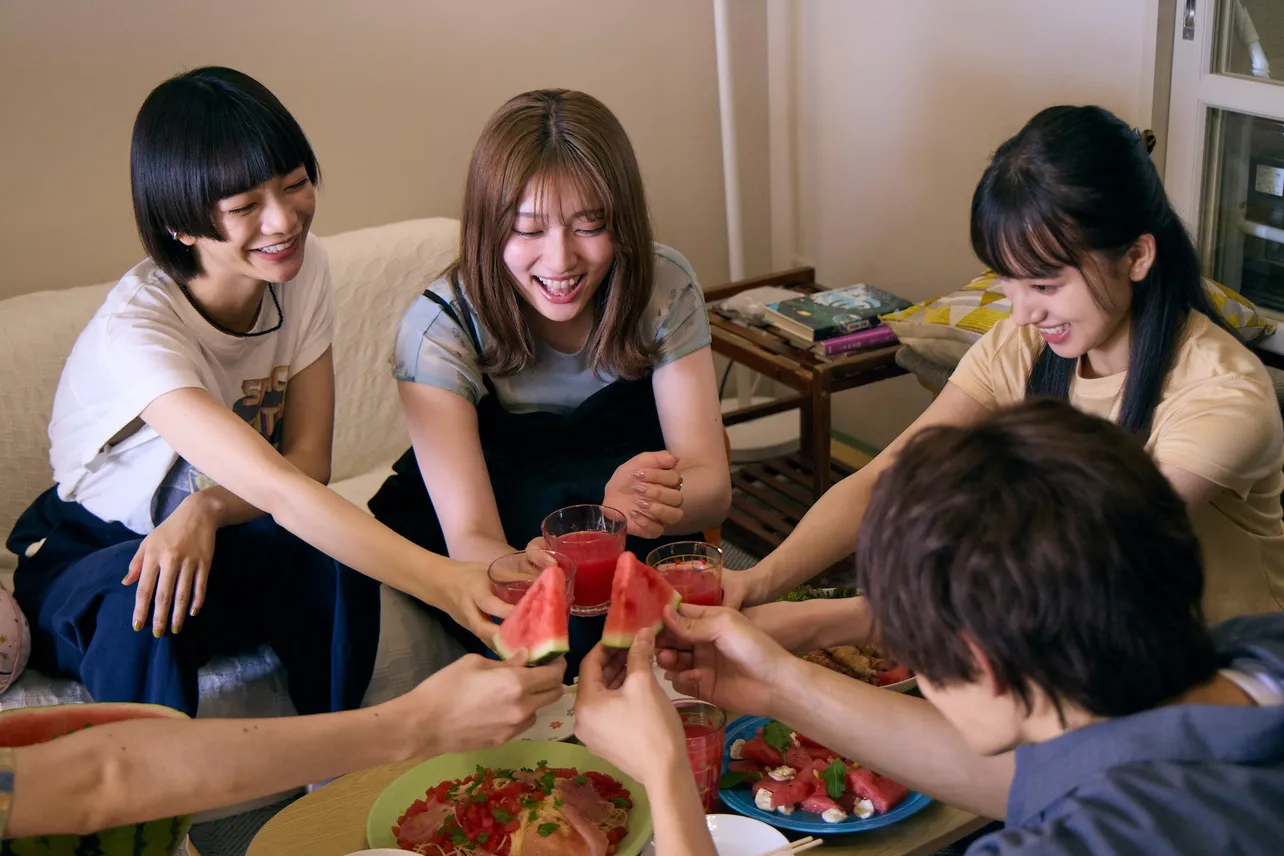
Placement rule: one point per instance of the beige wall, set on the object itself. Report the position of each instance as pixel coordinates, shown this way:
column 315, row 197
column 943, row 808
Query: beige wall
column 392, row 94
column 900, row 106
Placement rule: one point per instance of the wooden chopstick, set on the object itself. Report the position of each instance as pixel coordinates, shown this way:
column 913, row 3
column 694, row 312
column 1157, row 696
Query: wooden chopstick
column 796, row 846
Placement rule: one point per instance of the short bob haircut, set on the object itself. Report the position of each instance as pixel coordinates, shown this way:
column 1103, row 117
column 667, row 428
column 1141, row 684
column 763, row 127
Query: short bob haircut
column 200, row 137
column 556, row 138
column 1050, row 538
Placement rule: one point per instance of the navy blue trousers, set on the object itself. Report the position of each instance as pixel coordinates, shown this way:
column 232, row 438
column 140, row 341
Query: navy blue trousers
column 266, row 586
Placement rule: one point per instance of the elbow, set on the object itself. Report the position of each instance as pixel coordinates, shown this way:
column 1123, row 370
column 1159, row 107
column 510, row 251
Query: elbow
column 103, row 801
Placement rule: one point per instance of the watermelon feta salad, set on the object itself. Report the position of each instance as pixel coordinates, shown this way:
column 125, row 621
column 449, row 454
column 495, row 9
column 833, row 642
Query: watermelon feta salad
column 787, row 772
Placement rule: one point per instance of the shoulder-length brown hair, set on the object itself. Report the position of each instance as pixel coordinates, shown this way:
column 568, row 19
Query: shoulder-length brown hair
column 572, row 139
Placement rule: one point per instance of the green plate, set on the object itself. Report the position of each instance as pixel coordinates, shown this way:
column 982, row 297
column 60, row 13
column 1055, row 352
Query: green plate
column 412, row 784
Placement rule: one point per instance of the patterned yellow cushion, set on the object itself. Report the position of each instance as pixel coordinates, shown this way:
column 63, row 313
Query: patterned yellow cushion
column 943, row 328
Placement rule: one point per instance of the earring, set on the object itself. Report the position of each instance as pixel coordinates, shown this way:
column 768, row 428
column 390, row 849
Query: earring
column 173, row 235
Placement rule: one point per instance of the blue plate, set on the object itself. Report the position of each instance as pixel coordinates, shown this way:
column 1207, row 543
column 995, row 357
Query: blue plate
column 740, row 798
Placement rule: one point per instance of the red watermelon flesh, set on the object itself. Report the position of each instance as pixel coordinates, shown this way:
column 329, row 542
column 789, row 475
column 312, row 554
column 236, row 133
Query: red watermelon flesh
column 639, row 595
column 26, row 726
column 818, row 802
column 884, row 793
column 757, row 749
column 30, row 725
column 540, row 622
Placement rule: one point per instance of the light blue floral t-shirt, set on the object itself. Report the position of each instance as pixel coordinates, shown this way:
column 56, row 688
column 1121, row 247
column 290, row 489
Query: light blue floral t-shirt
column 431, row 348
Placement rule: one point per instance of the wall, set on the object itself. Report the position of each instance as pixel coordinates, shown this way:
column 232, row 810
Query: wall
column 900, row 105
column 392, row 95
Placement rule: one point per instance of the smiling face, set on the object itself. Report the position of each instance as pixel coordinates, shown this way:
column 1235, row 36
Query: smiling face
column 1081, row 319
column 559, row 252
column 265, row 230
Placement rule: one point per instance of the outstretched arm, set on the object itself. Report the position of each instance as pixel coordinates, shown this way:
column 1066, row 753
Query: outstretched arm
column 214, row 440
column 827, row 533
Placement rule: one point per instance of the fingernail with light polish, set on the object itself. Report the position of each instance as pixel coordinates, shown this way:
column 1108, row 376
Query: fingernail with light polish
column 638, row 474
column 639, row 488
column 643, row 503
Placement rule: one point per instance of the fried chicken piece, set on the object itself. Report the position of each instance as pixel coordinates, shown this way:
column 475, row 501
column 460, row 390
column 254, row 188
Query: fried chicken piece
column 854, row 660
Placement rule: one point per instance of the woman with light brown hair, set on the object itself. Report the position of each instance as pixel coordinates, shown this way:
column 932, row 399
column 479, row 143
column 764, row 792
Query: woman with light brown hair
column 562, row 359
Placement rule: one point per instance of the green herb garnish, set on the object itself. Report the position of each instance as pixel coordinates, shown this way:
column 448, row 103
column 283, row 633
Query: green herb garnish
column 835, row 776
column 546, row 829
column 777, row 736
column 620, row 802
column 501, row 814
column 730, row 780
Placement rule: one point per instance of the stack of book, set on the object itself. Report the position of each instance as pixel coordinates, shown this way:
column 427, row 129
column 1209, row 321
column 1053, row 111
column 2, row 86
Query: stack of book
column 836, row 321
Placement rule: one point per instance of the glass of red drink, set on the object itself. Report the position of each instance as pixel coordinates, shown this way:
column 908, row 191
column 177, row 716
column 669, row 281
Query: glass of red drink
column 511, row 576
column 593, row 536
column 705, row 726
column 694, row 568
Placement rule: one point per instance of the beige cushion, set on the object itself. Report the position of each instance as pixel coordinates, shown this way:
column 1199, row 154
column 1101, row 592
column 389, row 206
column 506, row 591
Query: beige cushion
column 943, row 328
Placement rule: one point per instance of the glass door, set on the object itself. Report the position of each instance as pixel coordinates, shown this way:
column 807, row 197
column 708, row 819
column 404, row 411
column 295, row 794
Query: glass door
column 1225, row 164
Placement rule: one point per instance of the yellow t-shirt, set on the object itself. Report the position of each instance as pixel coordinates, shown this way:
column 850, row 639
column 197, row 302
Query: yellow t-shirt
column 1218, row 418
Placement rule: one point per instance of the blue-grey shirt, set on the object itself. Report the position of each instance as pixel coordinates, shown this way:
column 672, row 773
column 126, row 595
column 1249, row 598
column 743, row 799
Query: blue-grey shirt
column 1185, row 779
column 433, row 349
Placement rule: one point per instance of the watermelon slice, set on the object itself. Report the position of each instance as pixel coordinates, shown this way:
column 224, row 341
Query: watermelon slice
column 540, row 622
column 884, row 793
column 639, row 595
column 31, row 725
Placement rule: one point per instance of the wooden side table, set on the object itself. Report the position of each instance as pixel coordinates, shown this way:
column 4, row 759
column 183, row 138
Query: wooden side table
column 770, row 497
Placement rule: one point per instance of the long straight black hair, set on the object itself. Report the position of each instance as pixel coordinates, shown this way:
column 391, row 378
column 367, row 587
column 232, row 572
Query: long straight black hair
column 1078, row 180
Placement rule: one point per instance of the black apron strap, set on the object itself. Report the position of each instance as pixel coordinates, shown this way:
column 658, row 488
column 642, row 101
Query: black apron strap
column 467, row 325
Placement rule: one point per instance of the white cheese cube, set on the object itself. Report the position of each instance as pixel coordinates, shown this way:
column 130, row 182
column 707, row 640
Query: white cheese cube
column 833, row 815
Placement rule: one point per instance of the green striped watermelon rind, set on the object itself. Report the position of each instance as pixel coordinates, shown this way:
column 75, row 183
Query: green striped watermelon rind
column 162, row 837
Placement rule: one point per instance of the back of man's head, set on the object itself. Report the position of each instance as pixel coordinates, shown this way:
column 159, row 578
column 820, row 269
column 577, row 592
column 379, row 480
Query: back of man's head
column 1049, row 540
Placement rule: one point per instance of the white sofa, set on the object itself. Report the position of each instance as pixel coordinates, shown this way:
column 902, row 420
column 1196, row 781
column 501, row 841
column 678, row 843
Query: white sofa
column 377, row 272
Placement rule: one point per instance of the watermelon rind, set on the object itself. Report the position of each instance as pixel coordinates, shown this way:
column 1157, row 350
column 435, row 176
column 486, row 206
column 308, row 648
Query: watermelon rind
column 616, row 634
column 547, row 595
column 26, row 726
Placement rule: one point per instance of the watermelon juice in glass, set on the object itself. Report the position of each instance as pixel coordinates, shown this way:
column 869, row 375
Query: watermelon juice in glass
column 593, row 536
column 512, row 575
column 705, row 727
column 693, row 568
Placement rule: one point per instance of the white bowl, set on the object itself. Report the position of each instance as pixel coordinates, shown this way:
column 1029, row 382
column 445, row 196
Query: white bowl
column 736, row 835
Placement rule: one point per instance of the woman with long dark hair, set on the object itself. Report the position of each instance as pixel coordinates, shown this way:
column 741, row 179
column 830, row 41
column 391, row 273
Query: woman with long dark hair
column 1110, row 312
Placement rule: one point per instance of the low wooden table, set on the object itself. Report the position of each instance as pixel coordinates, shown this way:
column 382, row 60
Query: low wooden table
column 769, row 497
column 331, row 821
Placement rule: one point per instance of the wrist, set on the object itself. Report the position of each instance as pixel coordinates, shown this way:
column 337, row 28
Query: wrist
column 667, row 764
column 844, row 621
column 784, row 677
column 204, row 505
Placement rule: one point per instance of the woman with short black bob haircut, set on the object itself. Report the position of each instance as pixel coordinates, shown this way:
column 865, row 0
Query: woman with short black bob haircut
column 191, row 436
column 1109, row 312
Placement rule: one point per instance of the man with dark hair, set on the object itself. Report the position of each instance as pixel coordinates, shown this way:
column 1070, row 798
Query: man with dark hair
column 1040, row 576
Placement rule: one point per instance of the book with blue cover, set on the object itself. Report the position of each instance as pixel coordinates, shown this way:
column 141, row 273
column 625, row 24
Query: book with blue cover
column 834, row 312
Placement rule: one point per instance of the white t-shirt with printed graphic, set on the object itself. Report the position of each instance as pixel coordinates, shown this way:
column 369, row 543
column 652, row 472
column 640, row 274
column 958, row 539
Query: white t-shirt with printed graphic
column 146, row 340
